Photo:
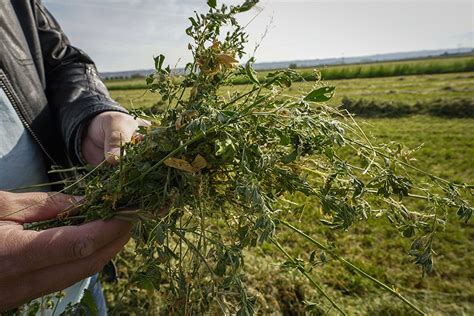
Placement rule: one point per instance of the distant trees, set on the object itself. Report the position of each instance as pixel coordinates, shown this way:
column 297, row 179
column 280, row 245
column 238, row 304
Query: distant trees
column 293, row 66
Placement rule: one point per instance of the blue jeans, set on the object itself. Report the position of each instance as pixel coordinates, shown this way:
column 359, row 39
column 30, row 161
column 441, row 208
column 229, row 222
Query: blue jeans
column 96, row 289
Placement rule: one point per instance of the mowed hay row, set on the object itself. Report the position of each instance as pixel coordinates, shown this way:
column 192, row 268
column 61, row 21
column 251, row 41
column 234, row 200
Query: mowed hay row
column 448, row 95
column 447, row 151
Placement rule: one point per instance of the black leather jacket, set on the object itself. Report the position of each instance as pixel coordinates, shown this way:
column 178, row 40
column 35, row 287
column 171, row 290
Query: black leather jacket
column 53, row 86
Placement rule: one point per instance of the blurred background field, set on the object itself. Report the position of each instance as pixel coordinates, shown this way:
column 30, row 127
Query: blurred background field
column 422, row 86
column 421, row 66
column 432, row 107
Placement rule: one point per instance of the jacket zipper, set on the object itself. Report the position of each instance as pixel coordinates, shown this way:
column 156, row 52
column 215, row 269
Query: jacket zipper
column 7, row 88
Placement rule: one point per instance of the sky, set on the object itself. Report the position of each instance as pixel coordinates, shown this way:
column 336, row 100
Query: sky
column 125, row 34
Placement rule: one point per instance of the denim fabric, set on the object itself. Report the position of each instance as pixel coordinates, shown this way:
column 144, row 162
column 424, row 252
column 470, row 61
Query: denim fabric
column 96, row 289
column 21, row 161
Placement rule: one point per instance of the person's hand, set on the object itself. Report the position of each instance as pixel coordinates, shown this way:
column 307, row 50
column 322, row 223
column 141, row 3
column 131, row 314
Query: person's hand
column 106, row 132
column 36, row 263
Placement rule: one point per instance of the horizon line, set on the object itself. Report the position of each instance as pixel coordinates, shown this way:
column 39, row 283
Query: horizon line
column 466, row 49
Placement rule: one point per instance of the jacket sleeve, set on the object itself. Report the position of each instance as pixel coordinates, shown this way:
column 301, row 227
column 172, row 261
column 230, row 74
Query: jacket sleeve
column 74, row 90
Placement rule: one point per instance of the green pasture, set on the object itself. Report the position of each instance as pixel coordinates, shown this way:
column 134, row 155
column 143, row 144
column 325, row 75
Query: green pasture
column 440, row 65
column 409, row 89
column 396, row 68
column 447, row 150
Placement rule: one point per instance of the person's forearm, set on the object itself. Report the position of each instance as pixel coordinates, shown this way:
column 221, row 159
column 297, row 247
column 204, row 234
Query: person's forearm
column 74, row 90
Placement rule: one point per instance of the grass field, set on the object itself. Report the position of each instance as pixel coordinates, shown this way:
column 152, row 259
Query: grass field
column 410, row 89
column 427, row 66
column 440, row 65
column 448, row 151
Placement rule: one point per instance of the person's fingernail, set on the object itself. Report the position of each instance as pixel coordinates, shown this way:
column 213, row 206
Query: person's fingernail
column 113, row 152
column 145, row 123
column 137, row 137
column 78, row 198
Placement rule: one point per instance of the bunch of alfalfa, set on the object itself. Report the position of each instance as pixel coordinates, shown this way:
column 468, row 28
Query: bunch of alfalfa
column 216, row 171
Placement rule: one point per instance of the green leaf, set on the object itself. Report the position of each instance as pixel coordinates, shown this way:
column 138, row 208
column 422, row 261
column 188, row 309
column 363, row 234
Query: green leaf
column 150, row 279
column 212, row 3
column 225, row 148
column 193, row 22
column 247, row 5
column 284, row 138
column 320, row 95
column 312, row 256
column 89, row 302
column 329, row 152
column 408, row 231
column 358, row 187
column 323, row 257
column 159, row 61
column 290, row 157
column 160, row 234
column 251, row 72
column 220, row 267
column 465, row 212
column 150, row 79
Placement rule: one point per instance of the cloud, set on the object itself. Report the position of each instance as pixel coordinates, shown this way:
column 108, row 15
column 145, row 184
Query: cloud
column 123, row 35
column 465, row 36
column 147, row 7
column 126, row 34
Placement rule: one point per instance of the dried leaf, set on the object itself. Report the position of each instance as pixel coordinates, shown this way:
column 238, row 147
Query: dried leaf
column 178, row 124
column 179, row 164
column 211, row 72
column 199, row 163
column 185, row 117
column 227, row 61
column 216, row 45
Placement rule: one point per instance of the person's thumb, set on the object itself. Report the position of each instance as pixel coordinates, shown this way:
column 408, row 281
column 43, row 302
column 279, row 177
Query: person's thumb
column 113, row 140
column 116, row 135
column 35, row 206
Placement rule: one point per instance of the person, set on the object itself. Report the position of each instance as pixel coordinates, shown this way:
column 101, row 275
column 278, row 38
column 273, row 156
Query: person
column 54, row 111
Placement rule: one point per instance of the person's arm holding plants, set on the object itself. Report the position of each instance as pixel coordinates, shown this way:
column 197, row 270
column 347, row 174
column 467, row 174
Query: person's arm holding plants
column 30, row 261
column 47, row 86
column 91, row 123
